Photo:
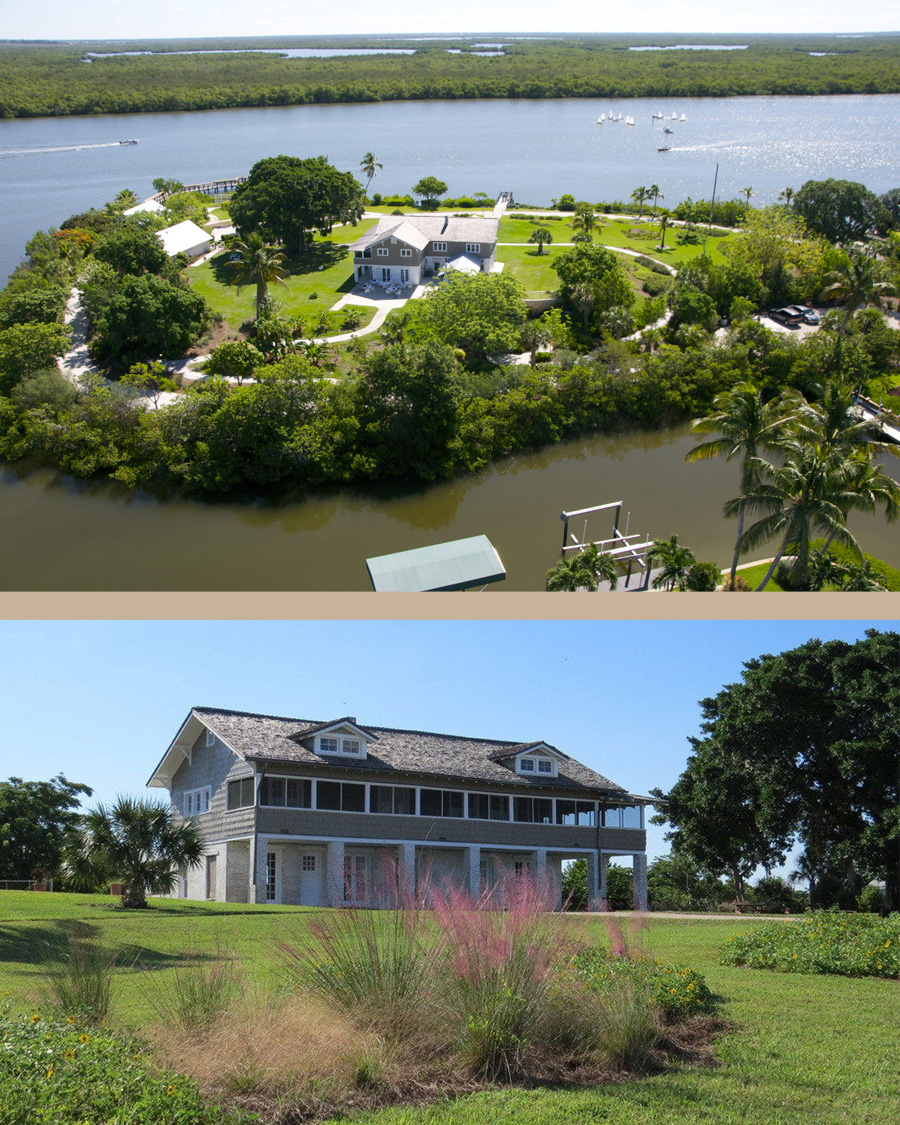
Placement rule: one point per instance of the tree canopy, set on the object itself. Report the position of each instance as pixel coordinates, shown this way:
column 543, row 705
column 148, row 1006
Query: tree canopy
column 802, row 749
column 840, row 210
column 287, row 198
column 36, row 820
column 479, row 313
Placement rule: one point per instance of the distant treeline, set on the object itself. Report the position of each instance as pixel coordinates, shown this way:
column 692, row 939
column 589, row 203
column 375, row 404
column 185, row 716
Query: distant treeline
column 58, row 79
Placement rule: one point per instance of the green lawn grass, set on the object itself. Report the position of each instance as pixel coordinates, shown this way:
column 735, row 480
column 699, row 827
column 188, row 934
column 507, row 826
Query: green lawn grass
column 317, row 280
column 890, row 575
column 532, row 270
column 805, row 1050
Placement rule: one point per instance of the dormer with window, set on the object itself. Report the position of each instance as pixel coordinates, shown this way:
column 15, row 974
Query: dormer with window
column 343, row 739
column 538, row 760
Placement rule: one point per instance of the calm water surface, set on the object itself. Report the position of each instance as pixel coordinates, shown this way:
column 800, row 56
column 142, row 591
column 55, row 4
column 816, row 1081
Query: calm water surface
column 536, row 149
column 59, row 536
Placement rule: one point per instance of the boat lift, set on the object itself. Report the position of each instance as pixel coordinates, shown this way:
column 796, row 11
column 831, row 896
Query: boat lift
column 621, row 546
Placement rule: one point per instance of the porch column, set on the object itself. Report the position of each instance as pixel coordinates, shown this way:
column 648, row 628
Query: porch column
column 473, row 855
column 406, row 873
column 258, row 876
column 334, row 873
column 604, row 864
column 593, row 880
column 639, row 871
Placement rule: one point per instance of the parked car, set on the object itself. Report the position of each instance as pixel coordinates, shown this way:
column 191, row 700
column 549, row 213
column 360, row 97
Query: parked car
column 787, row 315
column 810, row 316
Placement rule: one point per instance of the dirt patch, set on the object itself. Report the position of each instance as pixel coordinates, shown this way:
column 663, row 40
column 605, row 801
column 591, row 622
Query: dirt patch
column 217, row 334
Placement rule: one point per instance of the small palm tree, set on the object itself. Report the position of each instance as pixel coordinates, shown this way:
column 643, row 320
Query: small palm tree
column 532, row 336
column 369, row 166
column 746, row 192
column 663, row 227
column 540, row 235
column 640, row 196
column 786, row 195
column 655, row 194
column 257, row 264
column 125, row 198
column 676, row 564
column 583, row 570
column 857, row 284
column 584, row 298
column 584, row 221
column 137, row 842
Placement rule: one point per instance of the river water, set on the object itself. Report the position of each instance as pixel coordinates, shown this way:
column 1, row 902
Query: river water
column 57, row 535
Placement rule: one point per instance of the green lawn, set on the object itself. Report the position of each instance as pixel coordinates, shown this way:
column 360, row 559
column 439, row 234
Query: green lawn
column 628, row 234
column 532, row 270
column 317, row 280
column 890, row 575
column 805, row 1050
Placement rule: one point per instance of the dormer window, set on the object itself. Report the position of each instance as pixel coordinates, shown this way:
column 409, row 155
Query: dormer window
column 536, row 763
column 331, row 744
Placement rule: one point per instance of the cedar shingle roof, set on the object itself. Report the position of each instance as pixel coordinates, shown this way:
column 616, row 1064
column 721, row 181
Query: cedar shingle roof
column 272, row 738
column 419, row 230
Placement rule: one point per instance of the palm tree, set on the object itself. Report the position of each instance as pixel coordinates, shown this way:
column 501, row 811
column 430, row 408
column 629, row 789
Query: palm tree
column 663, row 227
column 257, row 264
column 640, row 196
column 676, row 562
column 786, row 195
column 533, row 334
column 136, row 842
column 746, row 192
column 540, row 235
column 125, row 198
column 655, row 194
column 857, row 284
column 369, row 166
column 584, row 298
column 811, row 492
column 583, row 220
column 583, row 570
column 747, row 425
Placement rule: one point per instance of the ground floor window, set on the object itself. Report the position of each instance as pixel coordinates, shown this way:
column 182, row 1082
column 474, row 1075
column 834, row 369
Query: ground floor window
column 385, row 273
column 404, row 276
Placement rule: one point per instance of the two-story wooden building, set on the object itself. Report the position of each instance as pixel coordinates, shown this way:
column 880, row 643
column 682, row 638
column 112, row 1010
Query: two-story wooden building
column 334, row 813
column 408, row 249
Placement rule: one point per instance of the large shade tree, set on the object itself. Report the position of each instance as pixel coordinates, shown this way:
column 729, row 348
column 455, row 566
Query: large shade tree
column 802, row 749
column 840, row 210
column 36, row 820
column 136, row 842
column 287, row 198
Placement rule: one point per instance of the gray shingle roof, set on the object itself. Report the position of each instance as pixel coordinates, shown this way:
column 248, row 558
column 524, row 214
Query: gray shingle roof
column 419, row 230
column 273, row 738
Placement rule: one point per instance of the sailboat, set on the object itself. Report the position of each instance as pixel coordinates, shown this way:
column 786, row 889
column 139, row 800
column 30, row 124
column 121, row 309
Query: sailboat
column 674, row 116
column 656, row 115
column 684, row 117
column 629, row 120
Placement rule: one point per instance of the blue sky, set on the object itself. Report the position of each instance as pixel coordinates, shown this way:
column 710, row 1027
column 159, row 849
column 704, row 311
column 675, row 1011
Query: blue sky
column 116, row 19
column 101, row 700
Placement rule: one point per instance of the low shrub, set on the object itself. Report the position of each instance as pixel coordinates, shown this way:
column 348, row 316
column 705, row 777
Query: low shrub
column 201, row 994
column 77, row 976
column 60, row 1071
column 855, row 945
column 676, row 991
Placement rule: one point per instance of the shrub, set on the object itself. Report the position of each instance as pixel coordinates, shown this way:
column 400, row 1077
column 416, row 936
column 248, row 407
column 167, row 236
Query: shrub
column 676, row 991
column 872, row 900
column 856, row 945
column 704, row 577
column 201, row 994
column 55, row 1070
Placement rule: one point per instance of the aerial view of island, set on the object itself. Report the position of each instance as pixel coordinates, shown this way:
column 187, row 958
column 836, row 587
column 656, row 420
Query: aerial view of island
column 336, row 312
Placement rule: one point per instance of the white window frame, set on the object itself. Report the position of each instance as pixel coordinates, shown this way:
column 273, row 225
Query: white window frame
column 341, row 746
column 383, row 252
column 406, row 253
column 527, row 765
column 439, row 247
column 196, row 802
column 473, row 247
column 540, row 765
column 385, row 273
column 404, row 275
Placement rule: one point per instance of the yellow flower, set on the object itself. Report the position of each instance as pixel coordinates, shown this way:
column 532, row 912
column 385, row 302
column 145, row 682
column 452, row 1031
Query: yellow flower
column 50, row 1070
column 35, row 1018
column 84, row 1038
column 70, row 1054
column 170, row 1090
column 71, row 1019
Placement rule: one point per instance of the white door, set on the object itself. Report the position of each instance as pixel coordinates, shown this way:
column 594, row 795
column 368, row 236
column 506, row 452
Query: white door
column 312, row 879
column 404, row 276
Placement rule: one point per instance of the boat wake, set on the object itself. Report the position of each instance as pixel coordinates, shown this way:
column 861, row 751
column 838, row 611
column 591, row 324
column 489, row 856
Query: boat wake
column 56, row 148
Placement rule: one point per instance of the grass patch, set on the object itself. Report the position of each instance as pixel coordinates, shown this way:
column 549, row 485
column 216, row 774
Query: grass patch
column 533, row 271
column 854, row 945
column 806, row 1050
column 889, row 575
column 316, row 281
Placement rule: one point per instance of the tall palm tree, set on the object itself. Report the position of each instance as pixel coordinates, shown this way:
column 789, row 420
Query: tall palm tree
column 369, row 166
column 810, row 493
column 746, row 192
column 857, row 284
column 676, row 562
column 663, row 227
column 583, row 220
column 640, row 196
column 747, row 425
column 257, row 264
column 136, row 842
column 655, row 194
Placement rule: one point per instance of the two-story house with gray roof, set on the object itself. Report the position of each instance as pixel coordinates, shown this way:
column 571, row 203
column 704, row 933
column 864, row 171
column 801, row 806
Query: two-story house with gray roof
column 336, row 813
column 408, row 249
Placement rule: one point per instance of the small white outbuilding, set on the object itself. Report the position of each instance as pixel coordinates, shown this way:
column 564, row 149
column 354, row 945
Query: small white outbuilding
column 185, row 238
column 150, row 206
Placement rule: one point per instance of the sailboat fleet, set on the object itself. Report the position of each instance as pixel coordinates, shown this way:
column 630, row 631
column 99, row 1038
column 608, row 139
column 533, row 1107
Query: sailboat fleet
column 658, row 116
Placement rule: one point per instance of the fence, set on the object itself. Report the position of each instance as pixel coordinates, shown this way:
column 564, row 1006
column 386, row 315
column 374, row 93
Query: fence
column 26, row 884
